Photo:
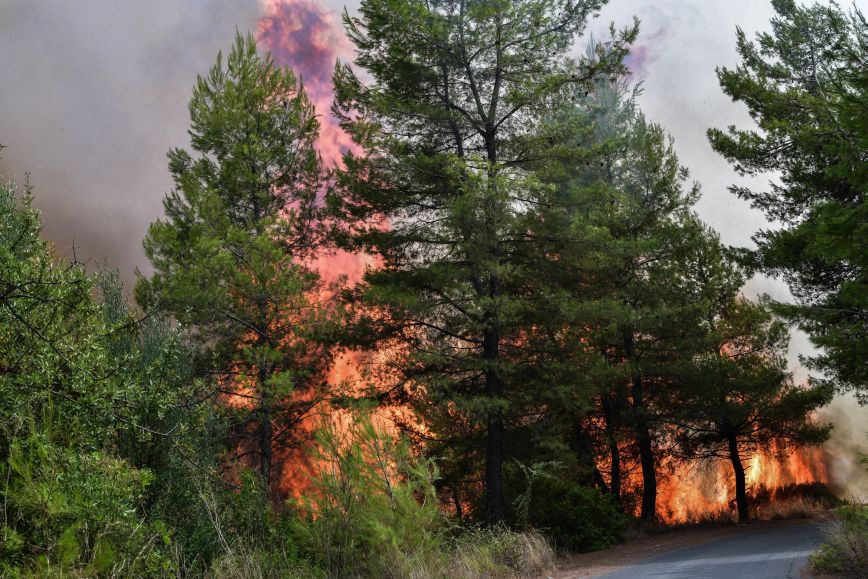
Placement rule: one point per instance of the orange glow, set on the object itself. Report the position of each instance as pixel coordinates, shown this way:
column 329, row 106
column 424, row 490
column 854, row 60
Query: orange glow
column 698, row 490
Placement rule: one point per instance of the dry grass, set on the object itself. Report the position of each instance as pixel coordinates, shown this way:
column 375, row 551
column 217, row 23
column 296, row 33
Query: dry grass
column 250, row 563
column 846, row 548
column 793, row 508
column 501, row 553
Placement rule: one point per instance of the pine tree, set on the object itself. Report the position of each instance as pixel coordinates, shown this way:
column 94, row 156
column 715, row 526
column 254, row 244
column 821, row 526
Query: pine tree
column 737, row 398
column 804, row 84
column 449, row 126
column 632, row 231
column 229, row 259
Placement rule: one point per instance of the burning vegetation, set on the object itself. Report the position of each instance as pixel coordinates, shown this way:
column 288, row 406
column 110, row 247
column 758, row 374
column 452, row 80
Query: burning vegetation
column 428, row 273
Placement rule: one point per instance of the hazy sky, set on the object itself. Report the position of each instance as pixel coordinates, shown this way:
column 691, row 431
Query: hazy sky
column 94, row 92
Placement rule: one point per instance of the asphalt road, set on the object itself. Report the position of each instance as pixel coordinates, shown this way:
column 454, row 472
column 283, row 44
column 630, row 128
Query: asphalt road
column 771, row 553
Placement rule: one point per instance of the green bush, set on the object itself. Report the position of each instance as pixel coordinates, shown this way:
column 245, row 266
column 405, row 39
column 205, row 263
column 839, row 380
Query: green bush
column 373, row 511
column 846, row 546
column 67, row 510
column 576, row 518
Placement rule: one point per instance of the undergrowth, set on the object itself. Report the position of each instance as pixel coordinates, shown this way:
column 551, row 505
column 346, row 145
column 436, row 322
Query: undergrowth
column 845, row 550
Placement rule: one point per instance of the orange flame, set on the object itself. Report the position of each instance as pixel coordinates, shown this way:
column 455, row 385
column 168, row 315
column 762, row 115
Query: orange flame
column 707, row 489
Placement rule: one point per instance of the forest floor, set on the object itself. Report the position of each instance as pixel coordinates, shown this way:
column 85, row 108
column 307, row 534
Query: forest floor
column 657, row 542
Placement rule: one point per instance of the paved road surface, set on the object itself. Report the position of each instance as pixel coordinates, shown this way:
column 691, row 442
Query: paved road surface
column 771, row 553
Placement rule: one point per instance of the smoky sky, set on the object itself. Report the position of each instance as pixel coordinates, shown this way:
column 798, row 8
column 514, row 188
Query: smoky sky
column 92, row 96
column 93, row 93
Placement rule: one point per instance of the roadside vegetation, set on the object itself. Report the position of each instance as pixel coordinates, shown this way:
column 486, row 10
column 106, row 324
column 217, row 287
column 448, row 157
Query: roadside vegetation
column 845, row 550
column 548, row 325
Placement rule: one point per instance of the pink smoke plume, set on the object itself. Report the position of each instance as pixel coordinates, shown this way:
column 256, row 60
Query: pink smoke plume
column 638, row 59
column 309, row 38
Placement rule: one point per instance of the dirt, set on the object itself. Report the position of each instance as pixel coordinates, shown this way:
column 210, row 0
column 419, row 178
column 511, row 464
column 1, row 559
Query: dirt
column 601, row 562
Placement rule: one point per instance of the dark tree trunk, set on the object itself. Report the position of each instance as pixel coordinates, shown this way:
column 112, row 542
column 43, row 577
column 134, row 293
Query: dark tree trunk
column 649, row 475
column 614, row 451
column 494, row 442
column 456, row 500
column 265, row 432
column 740, row 482
column 494, row 471
column 643, row 434
column 584, row 450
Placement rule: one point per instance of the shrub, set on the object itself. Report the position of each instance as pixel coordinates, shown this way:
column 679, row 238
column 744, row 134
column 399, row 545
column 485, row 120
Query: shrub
column 373, row 511
column 846, row 546
column 68, row 510
column 575, row 517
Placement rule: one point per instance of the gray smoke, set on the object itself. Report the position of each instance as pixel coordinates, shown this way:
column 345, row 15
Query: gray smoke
column 92, row 95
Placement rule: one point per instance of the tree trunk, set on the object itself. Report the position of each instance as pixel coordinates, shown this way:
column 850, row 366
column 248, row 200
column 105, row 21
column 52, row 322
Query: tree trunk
column 614, row 451
column 740, row 482
column 494, row 442
column 494, row 471
column 584, row 450
column 649, row 474
column 491, row 347
column 265, row 433
column 456, row 500
column 643, row 434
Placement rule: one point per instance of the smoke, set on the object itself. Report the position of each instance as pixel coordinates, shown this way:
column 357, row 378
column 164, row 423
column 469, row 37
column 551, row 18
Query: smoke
column 848, row 443
column 309, row 38
column 93, row 94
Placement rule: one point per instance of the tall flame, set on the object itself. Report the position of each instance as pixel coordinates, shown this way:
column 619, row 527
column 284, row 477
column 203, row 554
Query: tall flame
column 309, row 38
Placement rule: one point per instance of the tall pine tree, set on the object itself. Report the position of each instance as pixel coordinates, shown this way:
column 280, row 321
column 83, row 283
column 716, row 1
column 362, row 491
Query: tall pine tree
column 229, row 259
column 449, row 124
column 804, row 84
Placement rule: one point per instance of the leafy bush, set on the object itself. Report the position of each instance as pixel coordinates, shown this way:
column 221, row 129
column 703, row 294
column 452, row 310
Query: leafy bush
column 68, row 510
column 846, row 546
column 575, row 517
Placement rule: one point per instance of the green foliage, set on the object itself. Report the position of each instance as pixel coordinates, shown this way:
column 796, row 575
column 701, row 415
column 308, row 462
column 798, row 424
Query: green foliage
column 574, row 517
column 846, row 547
column 51, row 349
column 70, row 502
column 373, row 511
column 805, row 84
column 66, row 510
column 241, row 219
